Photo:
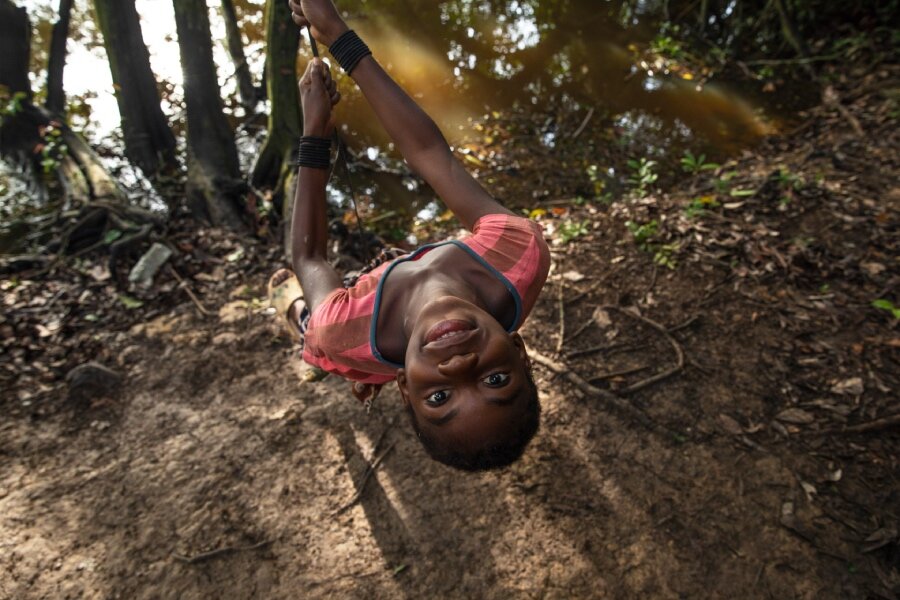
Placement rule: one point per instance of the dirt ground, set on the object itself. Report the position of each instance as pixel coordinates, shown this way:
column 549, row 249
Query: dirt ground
column 762, row 462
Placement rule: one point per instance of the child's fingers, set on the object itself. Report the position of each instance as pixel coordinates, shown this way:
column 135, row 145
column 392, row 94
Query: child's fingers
column 297, row 14
column 335, row 98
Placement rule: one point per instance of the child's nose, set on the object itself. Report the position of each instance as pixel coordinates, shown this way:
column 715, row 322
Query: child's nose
column 458, row 364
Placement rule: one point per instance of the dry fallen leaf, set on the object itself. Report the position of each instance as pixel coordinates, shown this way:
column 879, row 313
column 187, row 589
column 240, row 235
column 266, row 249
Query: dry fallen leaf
column 797, row 416
column 601, row 318
column 853, row 386
column 730, row 425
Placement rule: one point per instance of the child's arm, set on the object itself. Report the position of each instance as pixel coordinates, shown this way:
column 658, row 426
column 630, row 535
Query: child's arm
column 309, row 227
column 415, row 133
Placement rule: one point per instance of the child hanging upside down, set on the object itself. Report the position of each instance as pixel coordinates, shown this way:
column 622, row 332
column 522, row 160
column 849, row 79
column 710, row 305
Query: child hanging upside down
column 441, row 320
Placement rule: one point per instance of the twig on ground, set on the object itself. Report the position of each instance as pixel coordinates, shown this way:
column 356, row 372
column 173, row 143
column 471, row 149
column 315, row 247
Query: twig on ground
column 605, row 348
column 868, row 427
column 613, row 401
column 612, row 374
column 562, row 320
column 584, row 124
column 652, row 284
column 684, row 325
column 581, row 329
column 365, row 479
column 204, row 556
column 184, row 285
column 679, row 353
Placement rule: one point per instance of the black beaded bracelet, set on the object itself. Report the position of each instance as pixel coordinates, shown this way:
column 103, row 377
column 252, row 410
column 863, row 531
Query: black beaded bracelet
column 348, row 50
column 315, row 152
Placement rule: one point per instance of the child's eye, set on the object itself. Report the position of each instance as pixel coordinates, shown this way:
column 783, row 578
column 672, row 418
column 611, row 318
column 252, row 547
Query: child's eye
column 437, row 398
column 496, row 379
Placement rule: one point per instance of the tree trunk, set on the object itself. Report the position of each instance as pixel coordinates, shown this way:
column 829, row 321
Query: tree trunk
column 22, row 133
column 275, row 160
column 214, row 184
column 246, row 89
column 56, row 97
column 15, row 48
column 149, row 142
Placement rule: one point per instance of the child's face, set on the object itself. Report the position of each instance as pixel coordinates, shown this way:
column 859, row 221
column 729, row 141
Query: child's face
column 464, row 374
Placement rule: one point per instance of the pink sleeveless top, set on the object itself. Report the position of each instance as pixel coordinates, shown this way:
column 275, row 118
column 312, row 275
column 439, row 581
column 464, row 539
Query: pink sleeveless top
column 340, row 337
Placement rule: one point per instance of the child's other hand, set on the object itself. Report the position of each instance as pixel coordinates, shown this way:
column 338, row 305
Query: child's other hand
column 321, row 17
column 318, row 93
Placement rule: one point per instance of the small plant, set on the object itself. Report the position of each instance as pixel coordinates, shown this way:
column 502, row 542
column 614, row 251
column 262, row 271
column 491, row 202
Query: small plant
column 53, row 149
column 665, row 45
column 642, row 175
column 644, row 236
column 570, row 230
column 663, row 256
column 699, row 206
column 10, row 106
column 695, row 164
column 643, row 232
column 888, row 306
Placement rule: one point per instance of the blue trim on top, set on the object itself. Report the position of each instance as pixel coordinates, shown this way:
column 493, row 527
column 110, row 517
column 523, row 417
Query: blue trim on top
column 418, row 252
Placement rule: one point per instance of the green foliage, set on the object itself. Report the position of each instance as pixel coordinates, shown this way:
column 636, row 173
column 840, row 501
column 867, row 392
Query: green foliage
column 888, row 306
column 642, row 175
column 645, row 237
column 643, row 232
column 699, row 206
column 665, row 45
column 695, row 164
column 10, row 106
column 571, row 230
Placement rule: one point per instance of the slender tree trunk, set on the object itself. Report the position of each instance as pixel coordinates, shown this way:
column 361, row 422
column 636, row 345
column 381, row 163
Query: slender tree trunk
column 214, row 180
column 15, row 46
column 246, row 89
column 275, row 161
column 56, row 97
column 149, row 142
column 789, row 31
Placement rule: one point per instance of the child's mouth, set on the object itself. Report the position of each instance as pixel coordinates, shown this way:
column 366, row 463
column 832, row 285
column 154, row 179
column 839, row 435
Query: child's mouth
column 448, row 329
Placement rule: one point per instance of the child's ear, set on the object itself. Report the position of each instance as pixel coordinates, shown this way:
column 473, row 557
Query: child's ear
column 523, row 351
column 402, row 386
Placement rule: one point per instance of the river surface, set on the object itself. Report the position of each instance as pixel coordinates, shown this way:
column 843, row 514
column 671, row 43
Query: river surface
column 465, row 61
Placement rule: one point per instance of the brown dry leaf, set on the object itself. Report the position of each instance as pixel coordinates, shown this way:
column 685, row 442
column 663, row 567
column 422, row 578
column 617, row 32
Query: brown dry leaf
column 796, row 416
column 601, row 318
column 730, row 425
column 853, row 386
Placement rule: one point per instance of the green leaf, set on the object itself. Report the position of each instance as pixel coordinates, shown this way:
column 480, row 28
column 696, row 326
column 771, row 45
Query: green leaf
column 888, row 306
column 129, row 302
column 111, row 236
column 738, row 193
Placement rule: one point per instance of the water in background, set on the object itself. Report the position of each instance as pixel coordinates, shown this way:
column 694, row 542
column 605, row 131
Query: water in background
column 465, row 61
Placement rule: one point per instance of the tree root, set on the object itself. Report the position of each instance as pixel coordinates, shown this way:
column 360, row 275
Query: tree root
column 613, row 401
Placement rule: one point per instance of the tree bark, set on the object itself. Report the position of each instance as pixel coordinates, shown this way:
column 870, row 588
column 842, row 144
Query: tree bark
column 81, row 174
column 246, row 89
column 214, row 185
column 149, row 142
column 275, row 160
column 15, row 48
column 56, row 97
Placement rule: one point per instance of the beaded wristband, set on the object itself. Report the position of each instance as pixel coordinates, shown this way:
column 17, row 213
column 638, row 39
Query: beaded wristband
column 348, row 50
column 314, row 152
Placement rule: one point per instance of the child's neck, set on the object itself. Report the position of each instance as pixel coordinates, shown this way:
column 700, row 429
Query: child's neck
column 433, row 287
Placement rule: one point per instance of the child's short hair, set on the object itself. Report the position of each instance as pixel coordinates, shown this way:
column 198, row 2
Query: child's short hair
column 497, row 455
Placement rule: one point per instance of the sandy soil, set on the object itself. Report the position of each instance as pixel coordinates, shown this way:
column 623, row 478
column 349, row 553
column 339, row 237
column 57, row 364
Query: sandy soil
column 215, row 473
